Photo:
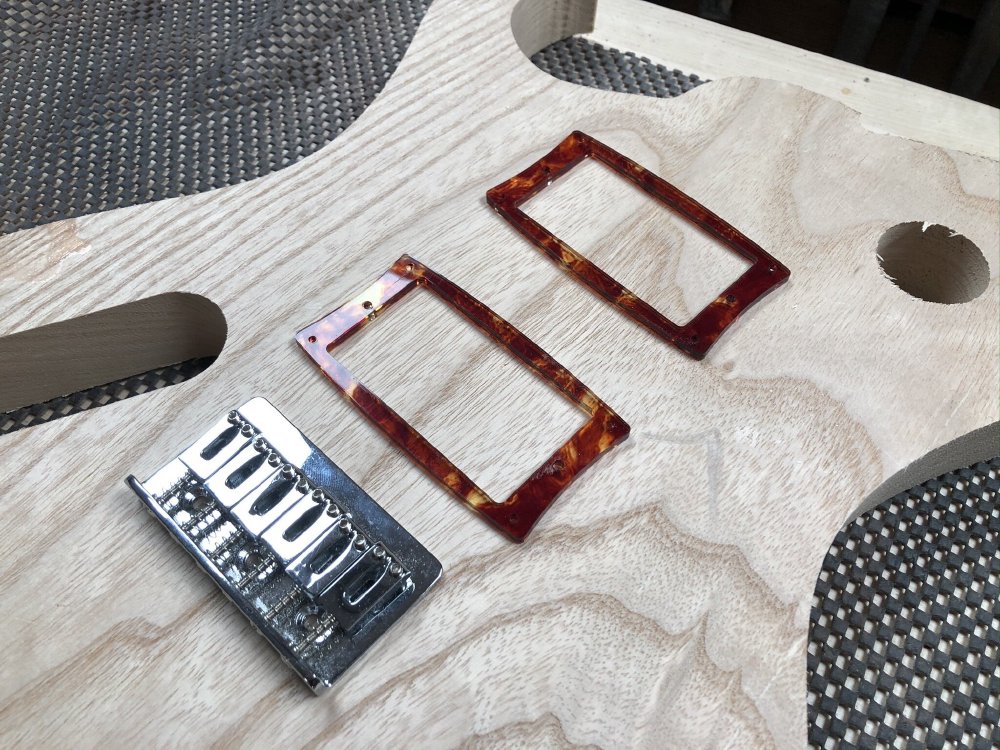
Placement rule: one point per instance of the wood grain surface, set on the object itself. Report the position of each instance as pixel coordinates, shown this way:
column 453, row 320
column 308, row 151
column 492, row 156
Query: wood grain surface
column 887, row 104
column 664, row 599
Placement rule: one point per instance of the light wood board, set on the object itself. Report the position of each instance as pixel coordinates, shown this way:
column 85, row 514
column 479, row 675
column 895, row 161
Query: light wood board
column 664, row 600
column 887, row 104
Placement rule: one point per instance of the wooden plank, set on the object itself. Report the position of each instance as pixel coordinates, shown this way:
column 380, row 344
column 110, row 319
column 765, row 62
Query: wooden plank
column 887, row 104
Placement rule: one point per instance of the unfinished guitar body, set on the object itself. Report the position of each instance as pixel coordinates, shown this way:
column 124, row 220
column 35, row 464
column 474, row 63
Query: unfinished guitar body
column 663, row 600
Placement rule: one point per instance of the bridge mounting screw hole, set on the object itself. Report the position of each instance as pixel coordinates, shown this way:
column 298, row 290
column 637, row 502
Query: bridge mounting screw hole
column 308, row 619
column 201, row 504
column 933, row 263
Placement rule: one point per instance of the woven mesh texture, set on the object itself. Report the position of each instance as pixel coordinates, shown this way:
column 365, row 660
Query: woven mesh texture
column 111, row 104
column 109, row 393
column 905, row 628
column 587, row 63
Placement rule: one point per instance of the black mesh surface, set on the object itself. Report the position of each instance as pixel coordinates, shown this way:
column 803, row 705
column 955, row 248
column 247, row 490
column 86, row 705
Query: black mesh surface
column 905, row 627
column 111, row 104
column 119, row 390
column 587, row 63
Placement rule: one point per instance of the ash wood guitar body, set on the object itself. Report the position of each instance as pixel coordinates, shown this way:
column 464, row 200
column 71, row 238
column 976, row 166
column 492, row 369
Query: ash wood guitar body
column 664, row 599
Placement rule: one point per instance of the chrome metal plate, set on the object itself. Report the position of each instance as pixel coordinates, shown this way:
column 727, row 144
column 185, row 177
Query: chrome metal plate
column 318, row 567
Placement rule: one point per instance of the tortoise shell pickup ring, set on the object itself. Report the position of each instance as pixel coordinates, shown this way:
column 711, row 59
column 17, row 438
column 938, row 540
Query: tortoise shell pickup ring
column 516, row 515
column 695, row 337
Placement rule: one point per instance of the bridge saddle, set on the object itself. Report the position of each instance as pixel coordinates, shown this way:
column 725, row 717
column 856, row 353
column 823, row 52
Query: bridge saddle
column 319, row 568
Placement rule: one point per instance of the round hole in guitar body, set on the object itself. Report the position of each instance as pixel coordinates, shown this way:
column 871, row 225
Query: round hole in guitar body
column 933, row 263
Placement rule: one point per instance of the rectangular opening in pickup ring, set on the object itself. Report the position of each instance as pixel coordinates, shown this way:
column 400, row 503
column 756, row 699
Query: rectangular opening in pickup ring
column 516, row 515
column 695, row 337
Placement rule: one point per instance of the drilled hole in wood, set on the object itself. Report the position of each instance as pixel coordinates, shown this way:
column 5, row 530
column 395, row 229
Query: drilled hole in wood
column 933, row 263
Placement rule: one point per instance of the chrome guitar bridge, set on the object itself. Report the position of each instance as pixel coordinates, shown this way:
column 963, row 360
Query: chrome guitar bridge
column 318, row 567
